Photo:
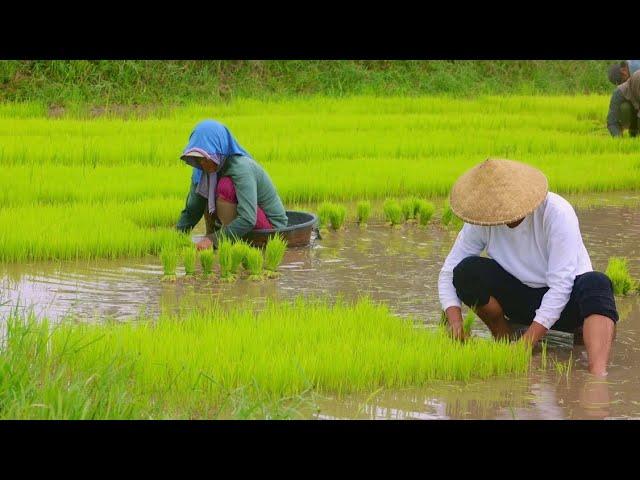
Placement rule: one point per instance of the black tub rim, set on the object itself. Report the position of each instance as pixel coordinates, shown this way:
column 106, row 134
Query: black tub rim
column 299, row 226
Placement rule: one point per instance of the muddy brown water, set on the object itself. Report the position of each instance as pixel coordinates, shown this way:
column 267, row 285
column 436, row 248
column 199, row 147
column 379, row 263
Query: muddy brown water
column 397, row 266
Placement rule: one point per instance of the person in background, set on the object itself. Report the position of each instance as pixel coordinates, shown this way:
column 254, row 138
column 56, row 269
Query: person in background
column 620, row 72
column 227, row 185
column 537, row 272
column 624, row 107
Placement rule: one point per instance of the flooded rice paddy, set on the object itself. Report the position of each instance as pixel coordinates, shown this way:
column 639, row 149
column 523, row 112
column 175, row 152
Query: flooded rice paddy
column 396, row 266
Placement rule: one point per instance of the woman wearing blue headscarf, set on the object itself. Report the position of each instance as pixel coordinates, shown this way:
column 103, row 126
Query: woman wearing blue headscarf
column 227, row 184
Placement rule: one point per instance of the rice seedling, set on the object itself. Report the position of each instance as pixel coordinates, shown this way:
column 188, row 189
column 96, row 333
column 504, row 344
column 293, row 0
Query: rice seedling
column 543, row 356
column 363, row 212
column 169, row 257
column 468, row 322
column 450, row 219
column 189, row 365
column 392, row 211
column 324, row 214
column 336, row 216
column 226, row 260
column 407, row 207
column 207, row 258
column 239, row 253
column 189, row 260
column 273, row 255
column 254, row 261
column 425, row 212
column 618, row 272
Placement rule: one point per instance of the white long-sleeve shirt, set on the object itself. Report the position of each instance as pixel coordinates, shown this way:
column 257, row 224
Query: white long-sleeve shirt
column 544, row 250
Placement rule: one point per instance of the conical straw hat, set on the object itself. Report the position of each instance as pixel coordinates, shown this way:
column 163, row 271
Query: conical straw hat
column 497, row 192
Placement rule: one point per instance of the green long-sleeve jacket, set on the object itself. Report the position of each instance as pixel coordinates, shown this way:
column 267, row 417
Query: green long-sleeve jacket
column 253, row 188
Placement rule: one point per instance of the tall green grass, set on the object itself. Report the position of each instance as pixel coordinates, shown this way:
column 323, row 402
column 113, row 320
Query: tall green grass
column 107, row 82
column 188, row 365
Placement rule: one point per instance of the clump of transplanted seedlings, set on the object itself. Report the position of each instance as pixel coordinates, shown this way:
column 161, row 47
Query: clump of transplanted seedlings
column 336, row 216
column 618, row 272
column 563, row 368
column 392, row 212
column 239, row 252
column 407, row 207
column 324, row 214
column 225, row 258
column 206, row 262
column 189, row 260
column 254, row 261
column 451, row 219
column 363, row 212
column 425, row 212
column 273, row 255
column 543, row 355
column 468, row 322
column 169, row 258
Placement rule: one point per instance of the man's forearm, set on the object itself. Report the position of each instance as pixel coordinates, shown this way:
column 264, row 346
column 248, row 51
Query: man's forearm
column 534, row 333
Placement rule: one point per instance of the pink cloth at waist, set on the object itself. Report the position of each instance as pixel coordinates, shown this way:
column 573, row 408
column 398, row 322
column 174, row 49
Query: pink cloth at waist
column 226, row 190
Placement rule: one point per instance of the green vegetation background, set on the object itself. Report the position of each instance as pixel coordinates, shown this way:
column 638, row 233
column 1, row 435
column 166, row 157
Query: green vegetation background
column 105, row 82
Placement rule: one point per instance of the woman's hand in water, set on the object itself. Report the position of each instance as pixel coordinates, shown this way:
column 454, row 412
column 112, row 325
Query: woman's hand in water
column 204, row 244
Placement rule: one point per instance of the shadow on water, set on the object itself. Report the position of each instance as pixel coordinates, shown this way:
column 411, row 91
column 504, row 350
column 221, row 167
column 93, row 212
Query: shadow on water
column 397, row 266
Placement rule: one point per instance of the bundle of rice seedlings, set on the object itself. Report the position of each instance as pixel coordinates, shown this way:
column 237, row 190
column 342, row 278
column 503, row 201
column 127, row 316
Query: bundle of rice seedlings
column 425, row 212
column 363, row 212
column 451, row 219
column 206, row 261
column 618, row 271
column 239, row 255
column 273, row 255
column 406, row 205
column 254, row 263
column 324, row 214
column 169, row 258
column 336, row 216
column 392, row 211
column 189, row 260
column 225, row 258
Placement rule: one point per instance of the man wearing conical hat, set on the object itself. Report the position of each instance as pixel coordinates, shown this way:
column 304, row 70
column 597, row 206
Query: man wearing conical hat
column 537, row 272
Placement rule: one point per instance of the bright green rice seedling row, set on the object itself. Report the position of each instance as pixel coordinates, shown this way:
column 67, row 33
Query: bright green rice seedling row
column 187, row 366
column 113, row 187
column 618, row 271
column 273, row 255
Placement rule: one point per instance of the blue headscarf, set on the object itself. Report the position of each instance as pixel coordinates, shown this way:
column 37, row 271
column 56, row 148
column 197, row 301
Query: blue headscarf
column 214, row 140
